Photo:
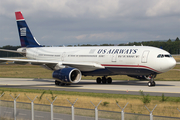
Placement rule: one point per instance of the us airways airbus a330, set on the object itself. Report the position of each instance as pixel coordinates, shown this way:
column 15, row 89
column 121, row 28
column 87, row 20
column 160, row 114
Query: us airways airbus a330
column 70, row 63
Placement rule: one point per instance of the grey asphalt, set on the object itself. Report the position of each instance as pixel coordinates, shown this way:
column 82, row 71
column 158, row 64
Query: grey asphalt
column 169, row 88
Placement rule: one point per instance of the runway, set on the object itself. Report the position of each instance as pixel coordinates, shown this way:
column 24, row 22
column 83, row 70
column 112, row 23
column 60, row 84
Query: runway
column 169, row 88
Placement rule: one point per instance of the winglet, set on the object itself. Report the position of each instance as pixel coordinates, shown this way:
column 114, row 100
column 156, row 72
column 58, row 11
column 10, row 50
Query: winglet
column 19, row 15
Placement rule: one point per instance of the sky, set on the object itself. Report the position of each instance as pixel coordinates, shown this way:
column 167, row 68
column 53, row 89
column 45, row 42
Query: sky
column 73, row 22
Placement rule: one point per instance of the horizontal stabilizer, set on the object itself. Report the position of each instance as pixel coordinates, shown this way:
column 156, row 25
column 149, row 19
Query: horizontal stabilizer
column 11, row 51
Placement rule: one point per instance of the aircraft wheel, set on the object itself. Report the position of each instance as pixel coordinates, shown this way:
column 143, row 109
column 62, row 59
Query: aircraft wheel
column 149, row 84
column 98, row 80
column 109, row 80
column 56, row 82
column 62, row 84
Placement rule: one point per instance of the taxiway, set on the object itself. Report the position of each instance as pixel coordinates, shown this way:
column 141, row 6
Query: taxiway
column 169, row 88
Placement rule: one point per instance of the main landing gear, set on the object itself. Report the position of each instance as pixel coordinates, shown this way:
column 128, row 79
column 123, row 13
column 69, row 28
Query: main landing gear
column 151, row 81
column 58, row 83
column 104, row 80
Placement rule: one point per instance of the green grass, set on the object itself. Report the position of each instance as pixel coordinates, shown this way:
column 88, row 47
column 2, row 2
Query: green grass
column 177, row 58
column 136, row 105
column 177, row 67
column 172, row 75
column 101, row 95
column 24, row 71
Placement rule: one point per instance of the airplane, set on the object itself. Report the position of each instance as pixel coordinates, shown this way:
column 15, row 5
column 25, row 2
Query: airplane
column 70, row 63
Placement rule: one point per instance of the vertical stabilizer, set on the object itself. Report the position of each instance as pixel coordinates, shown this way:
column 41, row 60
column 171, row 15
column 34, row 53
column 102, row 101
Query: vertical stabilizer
column 25, row 35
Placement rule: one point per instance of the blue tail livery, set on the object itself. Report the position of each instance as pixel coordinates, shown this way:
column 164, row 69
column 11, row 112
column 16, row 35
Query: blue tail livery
column 25, row 35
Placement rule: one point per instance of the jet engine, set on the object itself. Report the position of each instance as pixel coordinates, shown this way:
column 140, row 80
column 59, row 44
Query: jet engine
column 67, row 75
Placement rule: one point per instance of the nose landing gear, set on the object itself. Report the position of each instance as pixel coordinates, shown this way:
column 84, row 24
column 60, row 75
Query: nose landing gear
column 151, row 81
column 104, row 80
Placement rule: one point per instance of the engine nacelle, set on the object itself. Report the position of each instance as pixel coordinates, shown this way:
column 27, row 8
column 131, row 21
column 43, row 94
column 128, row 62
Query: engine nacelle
column 67, row 75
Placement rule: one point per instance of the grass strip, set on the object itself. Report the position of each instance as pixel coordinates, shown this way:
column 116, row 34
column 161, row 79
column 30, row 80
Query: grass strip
column 167, row 106
column 99, row 95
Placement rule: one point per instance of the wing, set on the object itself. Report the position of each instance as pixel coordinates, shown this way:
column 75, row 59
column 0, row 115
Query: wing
column 83, row 66
column 177, row 62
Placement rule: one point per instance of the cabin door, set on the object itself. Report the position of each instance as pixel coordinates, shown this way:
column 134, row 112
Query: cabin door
column 63, row 56
column 35, row 54
column 145, row 56
column 114, row 57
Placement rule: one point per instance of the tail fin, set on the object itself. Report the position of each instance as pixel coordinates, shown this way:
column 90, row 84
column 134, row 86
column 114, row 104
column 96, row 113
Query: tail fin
column 26, row 38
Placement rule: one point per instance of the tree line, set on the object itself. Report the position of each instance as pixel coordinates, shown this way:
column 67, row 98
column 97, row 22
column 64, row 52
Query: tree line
column 10, row 54
column 172, row 46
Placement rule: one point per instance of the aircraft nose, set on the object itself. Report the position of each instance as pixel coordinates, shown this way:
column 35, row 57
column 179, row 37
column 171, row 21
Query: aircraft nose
column 167, row 64
column 172, row 63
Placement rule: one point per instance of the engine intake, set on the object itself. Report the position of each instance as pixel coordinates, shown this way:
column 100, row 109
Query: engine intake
column 67, row 75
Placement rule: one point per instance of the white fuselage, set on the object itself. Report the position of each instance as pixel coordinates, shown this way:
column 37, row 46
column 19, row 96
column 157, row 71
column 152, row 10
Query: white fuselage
column 114, row 57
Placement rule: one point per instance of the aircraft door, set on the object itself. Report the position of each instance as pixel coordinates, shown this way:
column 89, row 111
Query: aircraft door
column 36, row 54
column 63, row 56
column 114, row 57
column 145, row 56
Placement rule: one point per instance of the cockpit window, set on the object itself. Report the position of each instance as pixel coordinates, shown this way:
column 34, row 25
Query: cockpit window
column 168, row 56
column 159, row 56
column 163, row 55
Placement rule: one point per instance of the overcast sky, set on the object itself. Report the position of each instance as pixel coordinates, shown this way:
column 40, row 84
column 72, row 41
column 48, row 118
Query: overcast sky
column 72, row 22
